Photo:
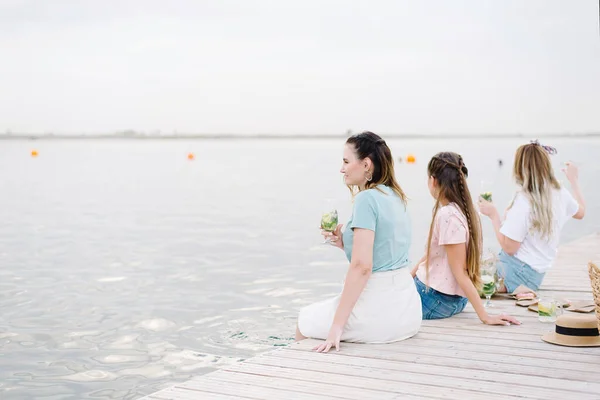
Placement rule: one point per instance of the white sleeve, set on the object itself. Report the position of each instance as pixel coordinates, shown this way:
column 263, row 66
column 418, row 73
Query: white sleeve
column 571, row 205
column 516, row 224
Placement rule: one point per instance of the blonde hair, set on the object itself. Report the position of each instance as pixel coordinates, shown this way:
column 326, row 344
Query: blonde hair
column 450, row 173
column 368, row 144
column 533, row 172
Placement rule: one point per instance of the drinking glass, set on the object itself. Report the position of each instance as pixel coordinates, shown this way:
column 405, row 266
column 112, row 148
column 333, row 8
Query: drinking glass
column 329, row 219
column 488, row 273
column 547, row 309
column 485, row 190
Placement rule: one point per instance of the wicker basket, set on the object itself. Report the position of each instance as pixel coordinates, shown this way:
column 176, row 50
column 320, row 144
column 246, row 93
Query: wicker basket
column 595, row 280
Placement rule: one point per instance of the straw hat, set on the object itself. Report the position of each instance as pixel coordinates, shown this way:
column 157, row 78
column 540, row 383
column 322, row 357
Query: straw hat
column 574, row 330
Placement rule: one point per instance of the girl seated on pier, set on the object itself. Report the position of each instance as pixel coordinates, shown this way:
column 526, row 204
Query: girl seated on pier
column 447, row 275
column 530, row 233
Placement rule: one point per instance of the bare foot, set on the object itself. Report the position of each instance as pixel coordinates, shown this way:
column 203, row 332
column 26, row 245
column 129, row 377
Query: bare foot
column 299, row 336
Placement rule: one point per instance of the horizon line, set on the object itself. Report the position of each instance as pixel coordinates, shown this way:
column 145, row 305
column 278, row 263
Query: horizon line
column 221, row 136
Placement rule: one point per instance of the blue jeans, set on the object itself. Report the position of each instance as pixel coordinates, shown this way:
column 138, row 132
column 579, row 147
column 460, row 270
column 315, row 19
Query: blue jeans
column 515, row 272
column 437, row 305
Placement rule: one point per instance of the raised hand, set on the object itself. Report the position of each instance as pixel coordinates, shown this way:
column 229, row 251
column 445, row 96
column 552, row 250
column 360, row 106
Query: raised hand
column 571, row 171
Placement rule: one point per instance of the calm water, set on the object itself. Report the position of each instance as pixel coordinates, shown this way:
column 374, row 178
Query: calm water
column 124, row 267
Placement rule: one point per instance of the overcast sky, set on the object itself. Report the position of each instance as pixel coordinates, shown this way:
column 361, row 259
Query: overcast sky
column 310, row 66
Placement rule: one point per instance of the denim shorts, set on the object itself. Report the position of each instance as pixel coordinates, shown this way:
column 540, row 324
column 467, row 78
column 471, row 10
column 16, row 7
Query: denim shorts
column 515, row 272
column 437, row 305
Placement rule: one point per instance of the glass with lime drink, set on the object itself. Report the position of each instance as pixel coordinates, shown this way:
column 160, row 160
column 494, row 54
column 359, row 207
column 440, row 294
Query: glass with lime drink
column 485, row 191
column 547, row 310
column 329, row 222
column 488, row 281
column 487, row 196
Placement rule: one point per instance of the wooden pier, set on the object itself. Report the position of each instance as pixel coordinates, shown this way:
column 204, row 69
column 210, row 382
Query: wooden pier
column 455, row 358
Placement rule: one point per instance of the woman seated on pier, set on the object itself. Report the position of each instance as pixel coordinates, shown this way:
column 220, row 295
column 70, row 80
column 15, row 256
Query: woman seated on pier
column 448, row 274
column 530, row 233
column 379, row 302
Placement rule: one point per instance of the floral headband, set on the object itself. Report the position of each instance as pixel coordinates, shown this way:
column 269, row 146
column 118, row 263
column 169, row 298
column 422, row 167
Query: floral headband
column 549, row 149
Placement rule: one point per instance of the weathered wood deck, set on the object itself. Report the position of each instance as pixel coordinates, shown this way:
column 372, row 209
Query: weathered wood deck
column 455, row 358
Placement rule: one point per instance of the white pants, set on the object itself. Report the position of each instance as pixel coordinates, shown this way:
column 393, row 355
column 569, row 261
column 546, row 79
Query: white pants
column 388, row 310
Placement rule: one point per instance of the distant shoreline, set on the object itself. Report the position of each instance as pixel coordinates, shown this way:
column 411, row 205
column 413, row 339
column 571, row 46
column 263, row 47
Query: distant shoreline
column 283, row 137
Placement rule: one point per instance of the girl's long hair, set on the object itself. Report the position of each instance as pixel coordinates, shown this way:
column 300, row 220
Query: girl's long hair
column 534, row 174
column 450, row 173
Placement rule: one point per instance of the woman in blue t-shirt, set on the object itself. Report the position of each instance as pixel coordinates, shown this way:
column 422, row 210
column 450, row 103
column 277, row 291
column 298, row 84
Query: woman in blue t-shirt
column 379, row 302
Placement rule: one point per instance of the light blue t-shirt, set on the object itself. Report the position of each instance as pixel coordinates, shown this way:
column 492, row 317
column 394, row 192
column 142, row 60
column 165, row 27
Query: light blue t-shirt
column 386, row 215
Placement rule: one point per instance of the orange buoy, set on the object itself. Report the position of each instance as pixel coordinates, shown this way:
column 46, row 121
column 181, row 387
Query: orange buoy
column 410, row 159
column 191, row 156
column 34, row 153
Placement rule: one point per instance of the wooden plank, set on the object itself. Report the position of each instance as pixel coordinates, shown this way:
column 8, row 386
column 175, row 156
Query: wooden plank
column 299, row 382
column 473, row 354
column 511, row 378
column 234, row 384
column 561, row 288
column 492, row 365
column 392, row 377
column 175, row 393
column 521, row 313
column 475, row 325
column 380, row 388
column 496, row 341
column 546, row 353
column 444, row 330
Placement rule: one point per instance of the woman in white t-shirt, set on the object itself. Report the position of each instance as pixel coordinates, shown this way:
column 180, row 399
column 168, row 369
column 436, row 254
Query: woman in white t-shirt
column 530, row 233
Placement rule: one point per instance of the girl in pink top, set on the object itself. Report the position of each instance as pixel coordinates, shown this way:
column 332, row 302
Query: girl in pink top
column 447, row 275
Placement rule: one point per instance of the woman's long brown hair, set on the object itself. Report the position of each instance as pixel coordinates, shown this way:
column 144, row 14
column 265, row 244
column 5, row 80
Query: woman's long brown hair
column 450, row 174
column 368, row 144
